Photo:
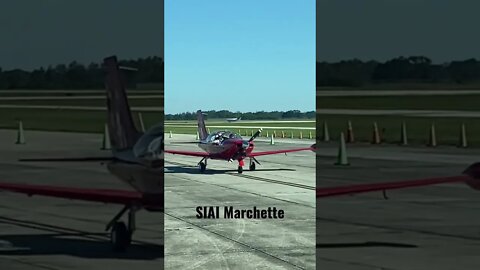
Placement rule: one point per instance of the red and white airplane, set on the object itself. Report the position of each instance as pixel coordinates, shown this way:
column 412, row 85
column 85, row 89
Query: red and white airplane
column 226, row 145
column 229, row 146
column 137, row 159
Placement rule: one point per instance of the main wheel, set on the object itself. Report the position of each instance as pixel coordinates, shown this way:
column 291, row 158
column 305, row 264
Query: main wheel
column 240, row 169
column 120, row 236
column 252, row 166
column 202, row 166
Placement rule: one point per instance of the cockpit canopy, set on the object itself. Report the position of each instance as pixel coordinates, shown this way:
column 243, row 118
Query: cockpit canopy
column 150, row 145
column 219, row 136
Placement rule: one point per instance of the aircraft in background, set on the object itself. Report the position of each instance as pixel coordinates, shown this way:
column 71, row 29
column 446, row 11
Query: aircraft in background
column 137, row 159
column 229, row 146
column 234, row 119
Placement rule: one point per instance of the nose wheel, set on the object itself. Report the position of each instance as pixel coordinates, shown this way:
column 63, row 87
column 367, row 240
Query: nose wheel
column 202, row 165
column 241, row 163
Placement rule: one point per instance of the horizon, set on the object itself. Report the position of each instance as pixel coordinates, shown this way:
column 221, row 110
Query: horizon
column 86, row 63
column 83, row 63
column 396, row 57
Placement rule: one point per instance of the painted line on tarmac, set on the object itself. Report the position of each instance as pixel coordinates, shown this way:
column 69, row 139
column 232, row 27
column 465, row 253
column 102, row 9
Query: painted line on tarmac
column 237, row 241
column 229, row 187
column 283, row 183
column 256, row 178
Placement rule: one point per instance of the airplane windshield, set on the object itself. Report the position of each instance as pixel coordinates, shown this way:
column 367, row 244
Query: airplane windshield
column 219, row 136
column 150, row 145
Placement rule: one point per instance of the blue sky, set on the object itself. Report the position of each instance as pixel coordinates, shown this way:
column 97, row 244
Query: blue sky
column 243, row 55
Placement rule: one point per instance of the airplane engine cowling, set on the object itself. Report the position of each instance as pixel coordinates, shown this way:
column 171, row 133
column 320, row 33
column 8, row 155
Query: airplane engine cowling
column 473, row 171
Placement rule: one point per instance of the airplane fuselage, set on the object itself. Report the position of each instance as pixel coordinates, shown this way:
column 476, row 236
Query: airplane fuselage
column 229, row 149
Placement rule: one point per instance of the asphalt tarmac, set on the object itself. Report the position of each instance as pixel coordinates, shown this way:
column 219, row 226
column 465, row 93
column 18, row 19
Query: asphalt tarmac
column 435, row 227
column 432, row 227
column 49, row 233
column 284, row 182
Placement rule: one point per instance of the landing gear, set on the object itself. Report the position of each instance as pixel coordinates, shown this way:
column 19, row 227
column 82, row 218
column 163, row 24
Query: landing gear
column 120, row 233
column 202, row 165
column 240, row 166
column 120, row 236
column 252, row 166
column 253, row 160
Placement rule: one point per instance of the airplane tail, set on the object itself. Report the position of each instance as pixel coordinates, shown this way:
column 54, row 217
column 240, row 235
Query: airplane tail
column 122, row 131
column 202, row 130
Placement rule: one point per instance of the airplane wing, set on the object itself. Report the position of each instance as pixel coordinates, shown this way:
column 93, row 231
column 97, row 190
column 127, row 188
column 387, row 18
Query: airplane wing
column 96, row 195
column 363, row 188
column 188, row 153
column 264, row 153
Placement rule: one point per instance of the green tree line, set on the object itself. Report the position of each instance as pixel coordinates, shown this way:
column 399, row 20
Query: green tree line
column 78, row 76
column 260, row 115
column 414, row 69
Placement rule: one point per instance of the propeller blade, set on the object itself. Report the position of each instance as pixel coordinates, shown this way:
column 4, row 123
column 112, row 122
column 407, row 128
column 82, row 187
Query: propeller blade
column 255, row 135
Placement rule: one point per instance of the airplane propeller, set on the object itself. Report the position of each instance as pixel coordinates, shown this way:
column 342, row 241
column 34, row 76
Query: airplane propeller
column 255, row 135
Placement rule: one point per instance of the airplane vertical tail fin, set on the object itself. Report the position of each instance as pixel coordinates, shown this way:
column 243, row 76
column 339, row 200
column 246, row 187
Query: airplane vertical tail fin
column 123, row 133
column 202, row 130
